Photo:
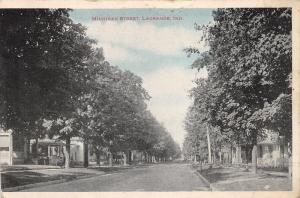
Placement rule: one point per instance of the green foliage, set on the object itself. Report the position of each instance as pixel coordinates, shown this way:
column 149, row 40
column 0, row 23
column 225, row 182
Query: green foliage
column 39, row 75
column 55, row 82
column 249, row 63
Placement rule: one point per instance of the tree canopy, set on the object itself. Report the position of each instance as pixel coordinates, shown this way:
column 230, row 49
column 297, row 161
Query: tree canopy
column 249, row 65
column 55, row 81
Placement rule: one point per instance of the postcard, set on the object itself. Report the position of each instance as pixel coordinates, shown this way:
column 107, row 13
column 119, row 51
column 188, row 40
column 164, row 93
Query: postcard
column 149, row 98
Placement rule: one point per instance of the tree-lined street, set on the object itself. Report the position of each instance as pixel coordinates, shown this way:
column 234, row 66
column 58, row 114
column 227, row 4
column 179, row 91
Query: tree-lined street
column 55, row 83
column 64, row 103
column 161, row 177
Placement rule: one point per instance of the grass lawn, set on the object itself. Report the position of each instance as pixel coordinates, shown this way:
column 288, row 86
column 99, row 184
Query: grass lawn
column 23, row 177
column 236, row 179
column 260, row 184
column 20, row 178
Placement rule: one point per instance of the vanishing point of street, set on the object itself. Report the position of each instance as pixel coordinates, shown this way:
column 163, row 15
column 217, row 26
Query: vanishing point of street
column 159, row 177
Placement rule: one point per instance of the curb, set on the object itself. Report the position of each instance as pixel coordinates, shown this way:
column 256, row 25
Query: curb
column 276, row 174
column 19, row 188
column 14, row 171
column 24, row 168
column 211, row 186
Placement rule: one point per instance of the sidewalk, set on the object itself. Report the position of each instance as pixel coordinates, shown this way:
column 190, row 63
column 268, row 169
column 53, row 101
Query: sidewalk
column 239, row 179
column 18, row 177
column 26, row 167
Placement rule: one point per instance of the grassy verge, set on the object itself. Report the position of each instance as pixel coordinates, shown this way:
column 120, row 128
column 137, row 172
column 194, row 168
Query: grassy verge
column 236, row 179
column 13, row 179
column 22, row 176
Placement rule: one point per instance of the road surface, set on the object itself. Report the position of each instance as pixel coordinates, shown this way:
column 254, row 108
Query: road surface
column 159, row 177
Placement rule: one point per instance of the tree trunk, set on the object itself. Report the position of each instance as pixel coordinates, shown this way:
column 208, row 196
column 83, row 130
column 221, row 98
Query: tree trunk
column 98, row 157
column 67, row 152
column 214, row 157
column 26, row 148
column 130, row 155
column 110, row 159
column 208, row 145
column 230, row 155
column 247, row 153
column 290, row 160
column 124, row 159
column 36, row 147
column 239, row 154
column 143, row 157
column 254, row 159
column 86, row 154
column 290, row 167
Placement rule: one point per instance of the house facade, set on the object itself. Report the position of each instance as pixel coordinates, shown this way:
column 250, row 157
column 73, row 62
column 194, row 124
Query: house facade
column 6, row 153
column 51, row 151
column 15, row 148
column 11, row 148
column 272, row 151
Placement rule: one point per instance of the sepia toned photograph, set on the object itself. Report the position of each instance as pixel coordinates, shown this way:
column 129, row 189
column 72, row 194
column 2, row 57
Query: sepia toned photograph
column 146, row 99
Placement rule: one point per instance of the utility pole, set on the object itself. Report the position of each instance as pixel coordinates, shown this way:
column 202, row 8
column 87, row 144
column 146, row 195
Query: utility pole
column 208, row 144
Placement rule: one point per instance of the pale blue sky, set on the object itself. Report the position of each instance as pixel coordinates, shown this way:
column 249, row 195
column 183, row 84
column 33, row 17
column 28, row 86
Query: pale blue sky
column 154, row 51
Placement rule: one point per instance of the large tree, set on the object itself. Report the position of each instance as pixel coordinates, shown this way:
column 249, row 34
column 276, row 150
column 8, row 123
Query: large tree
column 44, row 55
column 249, row 65
column 55, row 82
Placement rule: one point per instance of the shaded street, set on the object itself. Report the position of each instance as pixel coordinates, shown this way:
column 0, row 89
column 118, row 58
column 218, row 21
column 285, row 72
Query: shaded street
column 160, row 177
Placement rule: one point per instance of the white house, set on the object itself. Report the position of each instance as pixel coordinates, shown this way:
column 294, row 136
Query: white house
column 6, row 153
column 272, row 151
column 51, row 151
